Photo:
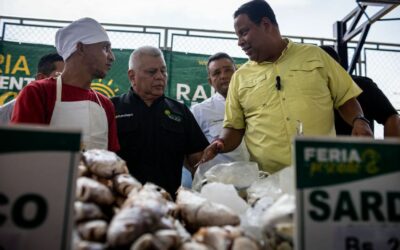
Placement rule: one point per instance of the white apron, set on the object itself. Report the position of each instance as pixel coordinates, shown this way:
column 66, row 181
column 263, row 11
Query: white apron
column 88, row 116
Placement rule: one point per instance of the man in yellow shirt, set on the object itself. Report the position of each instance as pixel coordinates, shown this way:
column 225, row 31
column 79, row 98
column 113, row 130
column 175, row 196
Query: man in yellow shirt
column 283, row 86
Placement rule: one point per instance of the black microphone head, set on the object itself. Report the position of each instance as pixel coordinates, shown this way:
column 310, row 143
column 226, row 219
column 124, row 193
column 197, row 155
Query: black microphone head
column 278, row 83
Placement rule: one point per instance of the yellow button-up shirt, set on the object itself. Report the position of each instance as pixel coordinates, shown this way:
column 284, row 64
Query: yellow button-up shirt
column 311, row 85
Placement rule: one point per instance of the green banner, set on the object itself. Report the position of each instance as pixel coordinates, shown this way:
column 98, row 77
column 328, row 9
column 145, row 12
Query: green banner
column 187, row 72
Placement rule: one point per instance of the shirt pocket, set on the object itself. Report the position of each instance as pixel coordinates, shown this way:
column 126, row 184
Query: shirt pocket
column 173, row 135
column 253, row 94
column 308, row 78
column 128, row 132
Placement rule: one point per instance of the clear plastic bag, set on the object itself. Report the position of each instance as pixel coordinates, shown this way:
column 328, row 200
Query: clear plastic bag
column 273, row 186
column 240, row 174
column 199, row 180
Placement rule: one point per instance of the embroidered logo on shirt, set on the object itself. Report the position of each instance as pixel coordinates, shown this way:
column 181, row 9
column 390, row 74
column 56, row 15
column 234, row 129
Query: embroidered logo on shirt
column 171, row 116
column 123, row 116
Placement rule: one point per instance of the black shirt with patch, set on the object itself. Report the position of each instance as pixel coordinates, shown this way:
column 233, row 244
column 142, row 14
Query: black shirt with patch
column 374, row 103
column 155, row 139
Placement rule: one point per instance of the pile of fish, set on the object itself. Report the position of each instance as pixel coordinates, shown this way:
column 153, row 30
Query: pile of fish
column 114, row 211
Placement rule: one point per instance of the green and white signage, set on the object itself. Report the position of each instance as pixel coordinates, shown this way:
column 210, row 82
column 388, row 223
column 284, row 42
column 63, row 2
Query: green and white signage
column 348, row 194
column 187, row 73
column 37, row 183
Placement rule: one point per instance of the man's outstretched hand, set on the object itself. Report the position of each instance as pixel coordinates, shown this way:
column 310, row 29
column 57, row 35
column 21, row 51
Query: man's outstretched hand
column 211, row 151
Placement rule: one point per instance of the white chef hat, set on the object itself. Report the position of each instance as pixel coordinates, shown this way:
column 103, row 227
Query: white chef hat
column 85, row 30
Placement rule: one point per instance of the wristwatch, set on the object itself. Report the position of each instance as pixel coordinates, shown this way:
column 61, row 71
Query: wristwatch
column 360, row 117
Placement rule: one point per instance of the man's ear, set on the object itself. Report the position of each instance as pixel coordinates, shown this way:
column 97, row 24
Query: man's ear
column 266, row 23
column 80, row 47
column 209, row 80
column 131, row 76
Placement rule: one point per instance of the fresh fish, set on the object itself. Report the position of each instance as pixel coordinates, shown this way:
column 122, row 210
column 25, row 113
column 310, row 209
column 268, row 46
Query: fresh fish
column 89, row 190
column 129, row 224
column 124, row 183
column 104, row 163
column 94, row 230
column 197, row 212
column 84, row 211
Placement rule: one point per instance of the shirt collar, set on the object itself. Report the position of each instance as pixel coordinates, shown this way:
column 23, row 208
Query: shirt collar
column 283, row 54
column 219, row 97
column 137, row 97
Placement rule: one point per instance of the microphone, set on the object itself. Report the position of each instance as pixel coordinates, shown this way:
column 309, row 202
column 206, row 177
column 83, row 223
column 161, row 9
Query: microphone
column 278, row 85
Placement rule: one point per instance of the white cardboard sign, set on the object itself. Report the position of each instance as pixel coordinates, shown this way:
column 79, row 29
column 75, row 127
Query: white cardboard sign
column 348, row 194
column 37, row 187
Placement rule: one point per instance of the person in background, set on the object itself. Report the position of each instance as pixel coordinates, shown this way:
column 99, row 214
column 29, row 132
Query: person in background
column 210, row 113
column 283, row 90
column 156, row 133
column 68, row 101
column 374, row 103
column 49, row 65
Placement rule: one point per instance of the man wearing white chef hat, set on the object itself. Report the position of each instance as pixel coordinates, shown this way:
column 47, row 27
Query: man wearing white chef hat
column 68, row 100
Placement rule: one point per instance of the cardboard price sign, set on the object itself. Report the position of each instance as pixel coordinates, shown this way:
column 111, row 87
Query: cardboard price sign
column 37, row 187
column 348, row 194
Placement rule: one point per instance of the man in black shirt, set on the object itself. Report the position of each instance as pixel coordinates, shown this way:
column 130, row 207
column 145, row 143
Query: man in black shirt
column 156, row 133
column 373, row 102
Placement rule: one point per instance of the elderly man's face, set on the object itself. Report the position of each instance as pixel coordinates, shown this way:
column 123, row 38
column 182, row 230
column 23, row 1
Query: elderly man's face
column 99, row 58
column 150, row 78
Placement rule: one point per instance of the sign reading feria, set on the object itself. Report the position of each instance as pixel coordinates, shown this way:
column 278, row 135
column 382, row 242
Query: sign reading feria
column 37, row 183
column 348, row 194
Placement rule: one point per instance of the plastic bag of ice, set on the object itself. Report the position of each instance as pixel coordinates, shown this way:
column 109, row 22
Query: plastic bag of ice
column 225, row 194
column 199, row 180
column 241, row 174
column 275, row 185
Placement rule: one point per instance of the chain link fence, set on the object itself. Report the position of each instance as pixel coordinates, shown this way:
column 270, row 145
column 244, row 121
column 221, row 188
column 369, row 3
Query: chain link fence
column 379, row 61
column 383, row 67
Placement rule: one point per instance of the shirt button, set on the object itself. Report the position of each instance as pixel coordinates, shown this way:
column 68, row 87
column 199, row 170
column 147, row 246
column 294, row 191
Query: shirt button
column 283, row 99
column 287, row 119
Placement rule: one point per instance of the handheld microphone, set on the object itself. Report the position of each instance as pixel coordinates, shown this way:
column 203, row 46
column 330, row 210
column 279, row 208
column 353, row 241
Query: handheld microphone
column 278, row 85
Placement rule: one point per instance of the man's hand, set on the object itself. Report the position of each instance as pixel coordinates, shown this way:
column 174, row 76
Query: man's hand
column 229, row 140
column 361, row 128
column 211, row 151
column 352, row 113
